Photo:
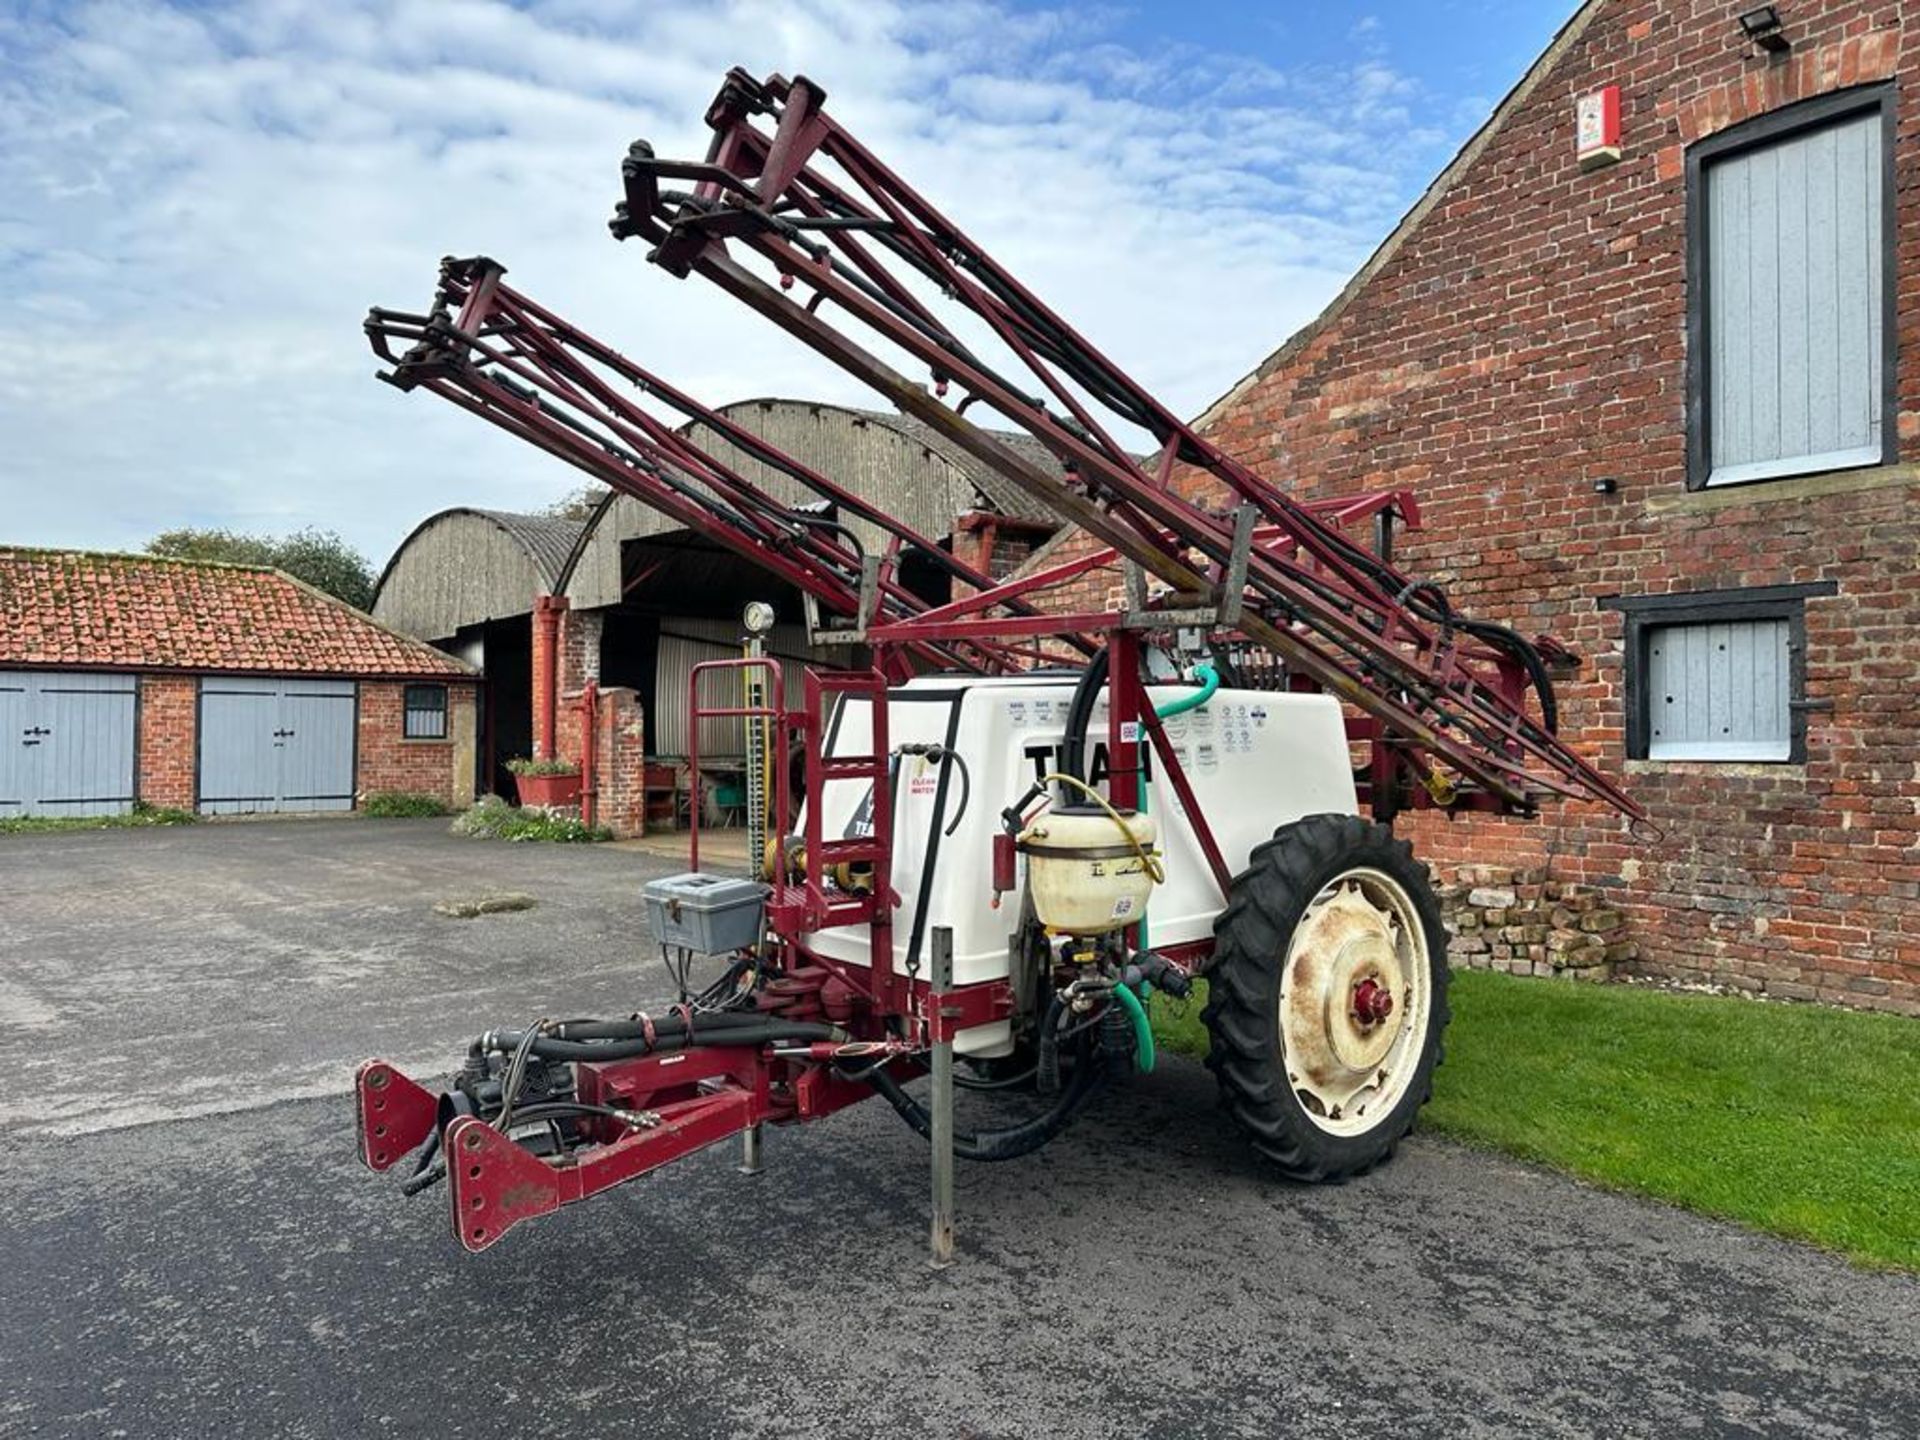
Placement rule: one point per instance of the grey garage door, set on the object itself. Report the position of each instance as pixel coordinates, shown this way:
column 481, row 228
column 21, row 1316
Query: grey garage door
column 66, row 743
column 276, row 745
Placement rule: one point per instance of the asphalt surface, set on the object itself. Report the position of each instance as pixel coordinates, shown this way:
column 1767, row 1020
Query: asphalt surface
column 215, row 967
column 238, row 1274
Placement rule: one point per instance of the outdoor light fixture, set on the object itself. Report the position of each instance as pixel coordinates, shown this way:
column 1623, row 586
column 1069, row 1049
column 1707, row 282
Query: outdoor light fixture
column 1762, row 26
column 758, row 618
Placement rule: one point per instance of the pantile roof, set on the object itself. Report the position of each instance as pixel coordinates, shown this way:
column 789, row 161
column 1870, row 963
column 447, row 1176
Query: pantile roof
column 144, row 612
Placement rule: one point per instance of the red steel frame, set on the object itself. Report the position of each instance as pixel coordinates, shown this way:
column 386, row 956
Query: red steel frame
column 804, row 197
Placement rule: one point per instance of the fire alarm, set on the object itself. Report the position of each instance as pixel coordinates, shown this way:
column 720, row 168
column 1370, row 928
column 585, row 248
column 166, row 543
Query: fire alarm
column 1598, row 128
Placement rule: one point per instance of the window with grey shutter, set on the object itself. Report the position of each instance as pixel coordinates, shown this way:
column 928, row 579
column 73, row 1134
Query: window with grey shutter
column 1717, row 675
column 426, row 712
column 1718, row 691
column 1791, row 293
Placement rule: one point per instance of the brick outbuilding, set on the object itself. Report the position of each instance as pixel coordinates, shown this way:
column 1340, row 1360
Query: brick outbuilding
column 1665, row 407
column 223, row 688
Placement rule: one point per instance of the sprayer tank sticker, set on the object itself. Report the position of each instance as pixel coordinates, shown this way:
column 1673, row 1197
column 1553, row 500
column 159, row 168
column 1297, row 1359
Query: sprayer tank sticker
column 861, row 825
column 1236, row 729
column 925, row 779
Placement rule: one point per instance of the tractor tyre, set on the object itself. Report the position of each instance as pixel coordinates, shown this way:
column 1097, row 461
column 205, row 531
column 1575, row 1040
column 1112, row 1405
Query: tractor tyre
column 1327, row 996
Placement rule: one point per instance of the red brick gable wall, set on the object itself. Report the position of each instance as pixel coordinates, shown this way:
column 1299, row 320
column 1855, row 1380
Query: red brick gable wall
column 1527, row 339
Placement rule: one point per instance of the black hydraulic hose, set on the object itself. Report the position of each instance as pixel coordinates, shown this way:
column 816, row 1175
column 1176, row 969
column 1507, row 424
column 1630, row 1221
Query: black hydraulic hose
column 1516, row 645
column 1111, row 389
column 670, row 1038
column 1073, row 745
column 1091, row 370
column 1430, row 602
column 996, row 1145
column 633, row 1049
column 673, row 1022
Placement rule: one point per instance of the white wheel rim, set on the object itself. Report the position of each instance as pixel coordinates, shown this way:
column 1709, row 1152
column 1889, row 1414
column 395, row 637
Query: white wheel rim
column 1350, row 1054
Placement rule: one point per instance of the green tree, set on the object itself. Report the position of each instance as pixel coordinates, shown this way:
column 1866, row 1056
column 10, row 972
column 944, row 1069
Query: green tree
column 222, row 545
column 326, row 562
column 319, row 557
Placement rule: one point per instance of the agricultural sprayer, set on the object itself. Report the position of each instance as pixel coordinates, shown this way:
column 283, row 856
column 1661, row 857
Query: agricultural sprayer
column 1021, row 812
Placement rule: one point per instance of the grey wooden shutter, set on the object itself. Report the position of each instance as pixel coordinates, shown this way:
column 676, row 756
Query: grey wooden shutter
column 1796, row 304
column 1719, row 691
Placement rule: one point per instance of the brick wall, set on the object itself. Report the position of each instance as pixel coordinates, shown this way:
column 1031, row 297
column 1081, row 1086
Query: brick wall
column 619, row 736
column 391, row 762
column 621, row 804
column 168, row 713
column 579, row 648
column 996, row 545
column 1528, row 338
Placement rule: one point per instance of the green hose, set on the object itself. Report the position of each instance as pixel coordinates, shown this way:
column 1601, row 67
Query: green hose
column 1142, row 1030
column 1209, row 679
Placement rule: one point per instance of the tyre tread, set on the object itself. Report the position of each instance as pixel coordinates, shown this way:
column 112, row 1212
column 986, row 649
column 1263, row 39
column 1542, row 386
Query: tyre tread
column 1264, row 903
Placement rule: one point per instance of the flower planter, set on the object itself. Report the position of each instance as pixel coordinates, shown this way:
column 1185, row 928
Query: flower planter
column 549, row 792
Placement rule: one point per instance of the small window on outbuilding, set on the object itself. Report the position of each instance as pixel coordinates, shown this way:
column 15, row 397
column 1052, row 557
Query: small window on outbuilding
column 1719, row 675
column 426, row 712
column 1791, row 292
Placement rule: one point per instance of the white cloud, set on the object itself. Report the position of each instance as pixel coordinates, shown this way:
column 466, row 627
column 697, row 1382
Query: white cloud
column 198, row 205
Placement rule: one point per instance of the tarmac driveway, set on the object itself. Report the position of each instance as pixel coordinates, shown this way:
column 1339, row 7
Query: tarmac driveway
column 238, row 1274
column 154, row 974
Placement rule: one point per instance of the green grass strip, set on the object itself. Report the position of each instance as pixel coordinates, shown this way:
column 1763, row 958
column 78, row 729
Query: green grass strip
column 402, row 805
column 1793, row 1119
column 141, row 815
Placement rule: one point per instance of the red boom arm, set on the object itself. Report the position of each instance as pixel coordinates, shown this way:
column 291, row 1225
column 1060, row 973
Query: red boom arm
column 786, row 184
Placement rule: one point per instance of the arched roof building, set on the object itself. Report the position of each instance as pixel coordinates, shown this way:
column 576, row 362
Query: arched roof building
column 464, row 567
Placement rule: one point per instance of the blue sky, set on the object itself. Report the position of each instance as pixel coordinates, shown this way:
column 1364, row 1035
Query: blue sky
column 1461, row 51
column 199, row 202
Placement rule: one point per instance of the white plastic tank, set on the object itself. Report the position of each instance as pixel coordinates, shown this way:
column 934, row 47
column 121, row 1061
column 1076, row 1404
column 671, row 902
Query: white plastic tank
column 1256, row 760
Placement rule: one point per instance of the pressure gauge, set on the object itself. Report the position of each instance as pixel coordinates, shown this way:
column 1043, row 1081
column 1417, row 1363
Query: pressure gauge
column 759, row 617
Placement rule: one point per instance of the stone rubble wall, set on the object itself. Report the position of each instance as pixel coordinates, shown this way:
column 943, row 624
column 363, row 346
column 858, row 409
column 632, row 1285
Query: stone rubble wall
column 1520, row 922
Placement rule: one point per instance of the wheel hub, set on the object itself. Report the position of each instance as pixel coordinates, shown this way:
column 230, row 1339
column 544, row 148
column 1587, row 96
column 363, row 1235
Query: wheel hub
column 1372, row 1002
column 1345, row 1001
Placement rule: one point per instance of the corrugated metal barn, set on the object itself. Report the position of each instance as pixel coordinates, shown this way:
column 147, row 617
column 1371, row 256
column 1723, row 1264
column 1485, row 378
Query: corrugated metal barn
column 648, row 600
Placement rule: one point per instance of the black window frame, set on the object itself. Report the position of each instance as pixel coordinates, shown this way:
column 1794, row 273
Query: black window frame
column 1768, row 129
column 407, row 709
column 1646, row 613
